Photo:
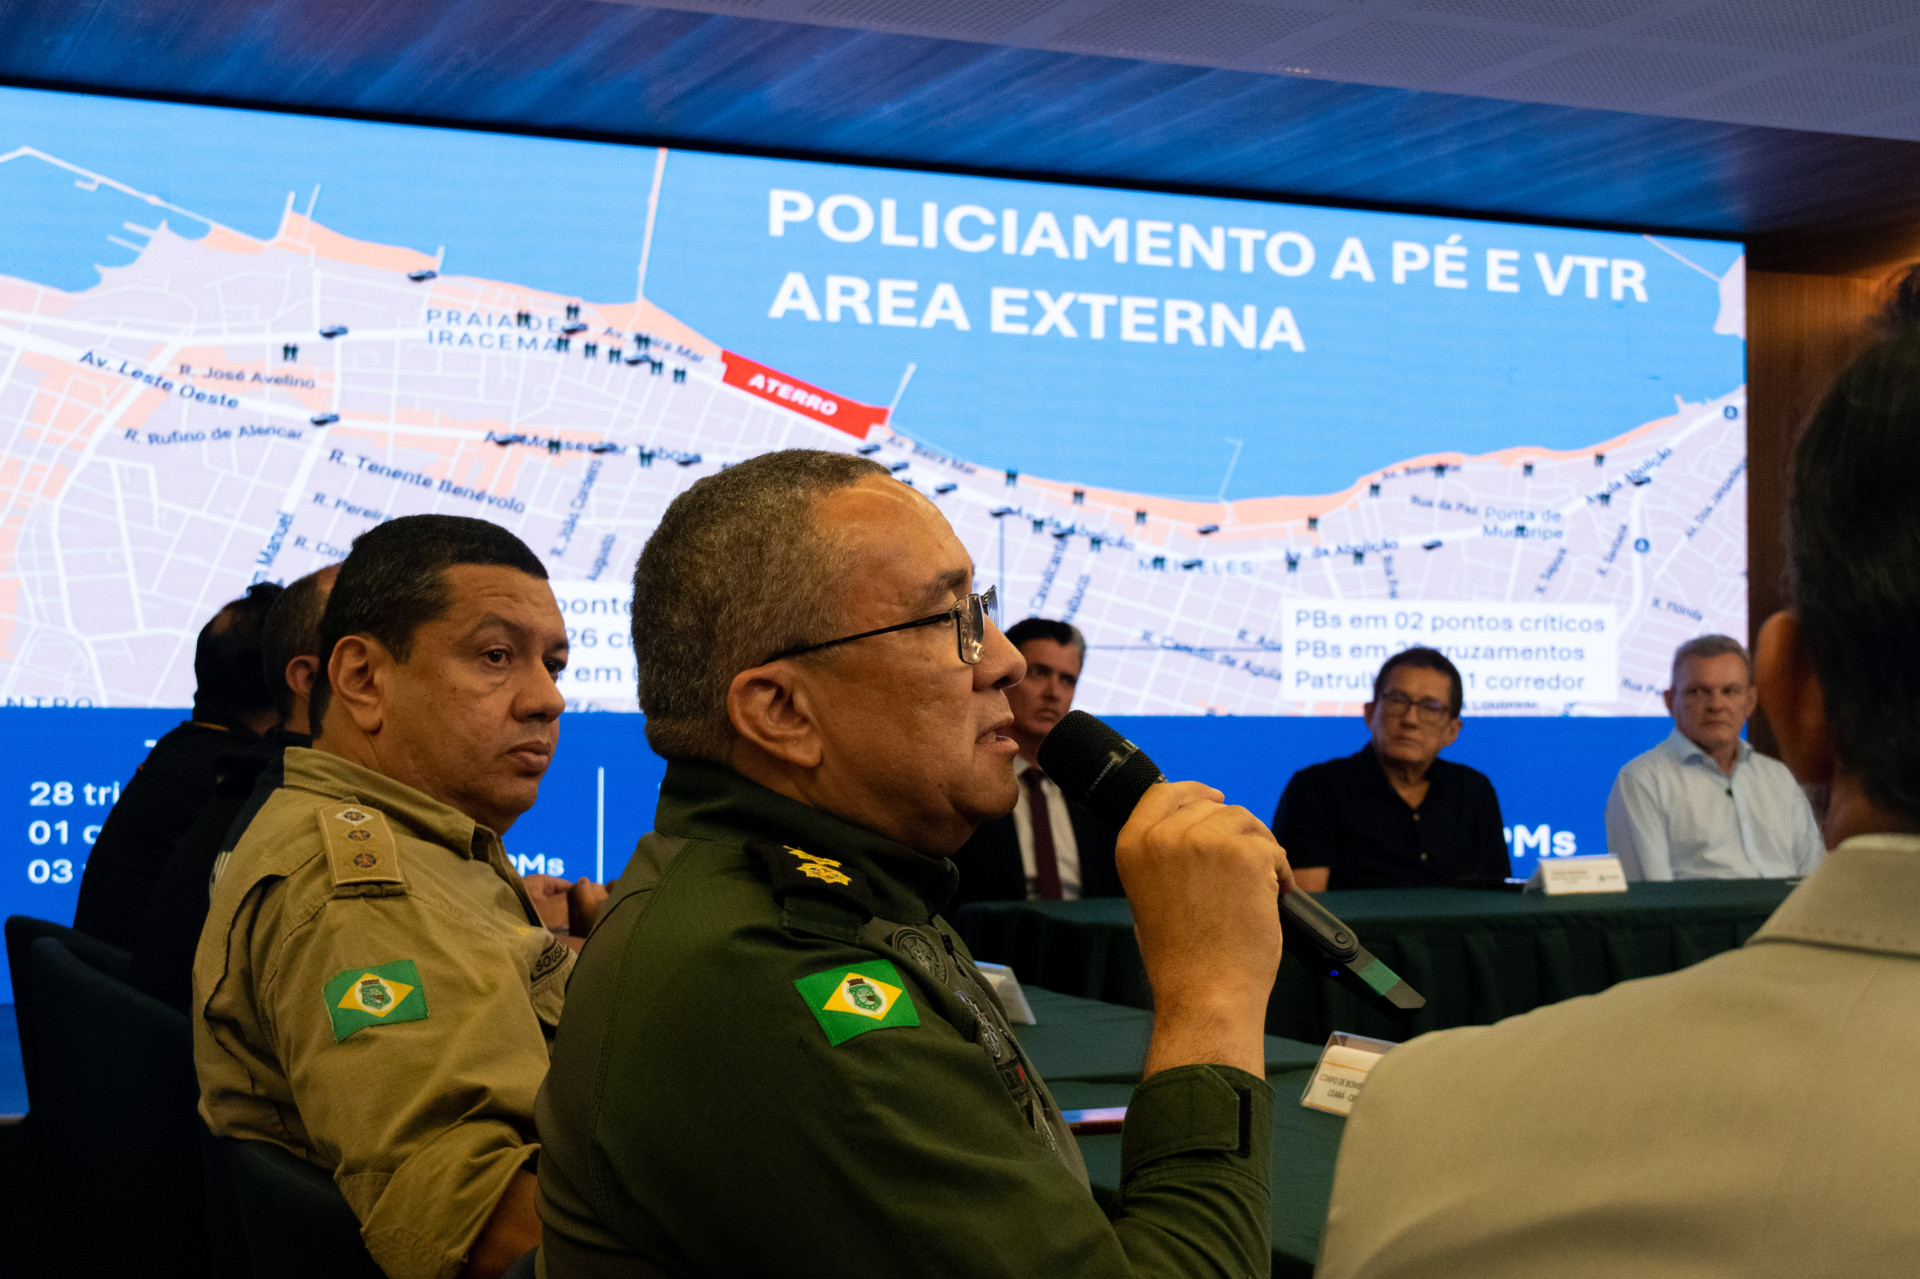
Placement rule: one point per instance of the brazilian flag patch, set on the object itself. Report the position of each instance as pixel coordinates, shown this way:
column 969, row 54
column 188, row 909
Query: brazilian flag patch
column 851, row 1001
column 362, row 997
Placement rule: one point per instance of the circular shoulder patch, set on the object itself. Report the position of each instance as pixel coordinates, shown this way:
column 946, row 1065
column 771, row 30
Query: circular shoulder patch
column 359, row 834
column 365, row 861
column 919, row 948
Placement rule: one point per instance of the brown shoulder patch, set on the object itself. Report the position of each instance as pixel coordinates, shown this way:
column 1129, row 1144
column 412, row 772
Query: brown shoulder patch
column 360, row 846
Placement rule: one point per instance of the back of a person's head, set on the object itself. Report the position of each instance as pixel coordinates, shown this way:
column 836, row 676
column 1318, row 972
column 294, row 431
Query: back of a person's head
column 1853, row 551
column 394, row 581
column 230, row 682
column 293, row 630
column 735, row 573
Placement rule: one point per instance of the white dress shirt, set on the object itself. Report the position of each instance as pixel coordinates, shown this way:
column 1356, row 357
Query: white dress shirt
column 1674, row 815
column 1066, row 852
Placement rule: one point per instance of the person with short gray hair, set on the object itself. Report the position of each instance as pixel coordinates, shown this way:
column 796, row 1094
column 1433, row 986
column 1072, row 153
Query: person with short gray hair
column 1703, row 804
column 777, row 1056
column 748, row 577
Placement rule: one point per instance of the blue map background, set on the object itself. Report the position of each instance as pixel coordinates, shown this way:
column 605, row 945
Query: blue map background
column 1389, row 372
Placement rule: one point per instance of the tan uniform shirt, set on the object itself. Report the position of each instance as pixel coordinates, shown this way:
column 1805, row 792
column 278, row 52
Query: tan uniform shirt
column 1749, row 1116
column 377, row 995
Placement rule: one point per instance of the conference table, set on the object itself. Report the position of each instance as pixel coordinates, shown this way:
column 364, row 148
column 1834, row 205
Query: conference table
column 1086, row 1041
column 1477, row 956
column 1090, row 1054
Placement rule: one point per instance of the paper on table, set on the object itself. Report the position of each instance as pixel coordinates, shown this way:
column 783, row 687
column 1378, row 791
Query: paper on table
column 1578, row 875
column 1007, row 987
column 1342, row 1072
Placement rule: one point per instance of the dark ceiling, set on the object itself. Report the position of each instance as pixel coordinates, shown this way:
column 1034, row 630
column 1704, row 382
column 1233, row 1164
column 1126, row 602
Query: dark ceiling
column 583, row 68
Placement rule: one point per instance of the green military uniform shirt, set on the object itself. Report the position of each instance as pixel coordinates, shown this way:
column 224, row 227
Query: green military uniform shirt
column 777, row 1058
column 376, row 994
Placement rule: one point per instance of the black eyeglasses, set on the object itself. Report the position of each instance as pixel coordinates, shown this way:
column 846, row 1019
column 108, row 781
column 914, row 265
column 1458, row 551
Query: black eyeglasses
column 1429, row 710
column 969, row 618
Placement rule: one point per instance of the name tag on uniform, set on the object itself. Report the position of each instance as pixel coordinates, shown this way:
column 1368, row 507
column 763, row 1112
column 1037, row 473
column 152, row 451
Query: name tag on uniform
column 1557, row 875
column 1007, row 987
column 1344, row 1065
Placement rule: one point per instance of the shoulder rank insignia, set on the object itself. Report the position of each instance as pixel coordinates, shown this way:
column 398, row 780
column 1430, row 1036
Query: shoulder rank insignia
column 360, row 997
column 794, row 868
column 851, row 1001
column 360, row 846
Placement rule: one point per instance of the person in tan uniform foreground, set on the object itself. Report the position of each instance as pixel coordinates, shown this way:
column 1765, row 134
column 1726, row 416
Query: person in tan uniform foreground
column 375, row 990
column 1751, row 1115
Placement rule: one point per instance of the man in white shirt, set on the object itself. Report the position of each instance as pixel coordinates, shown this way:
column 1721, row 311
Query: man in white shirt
column 1049, row 848
column 1703, row 804
column 1752, row 1115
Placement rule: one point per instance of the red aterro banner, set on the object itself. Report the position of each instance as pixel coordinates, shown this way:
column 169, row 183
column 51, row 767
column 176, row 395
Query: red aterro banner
column 851, row 416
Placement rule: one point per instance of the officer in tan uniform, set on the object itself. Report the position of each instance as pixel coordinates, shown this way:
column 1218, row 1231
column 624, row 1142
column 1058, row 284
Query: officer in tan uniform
column 376, row 992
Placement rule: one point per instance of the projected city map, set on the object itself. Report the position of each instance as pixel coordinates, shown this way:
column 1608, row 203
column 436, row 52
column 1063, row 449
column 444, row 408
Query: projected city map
column 1248, row 448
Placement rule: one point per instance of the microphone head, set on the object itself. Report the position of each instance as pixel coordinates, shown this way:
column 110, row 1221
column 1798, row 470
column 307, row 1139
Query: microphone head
column 1090, row 761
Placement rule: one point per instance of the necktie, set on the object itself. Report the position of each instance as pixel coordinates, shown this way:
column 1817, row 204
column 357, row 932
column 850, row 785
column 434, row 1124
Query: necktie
column 1046, row 868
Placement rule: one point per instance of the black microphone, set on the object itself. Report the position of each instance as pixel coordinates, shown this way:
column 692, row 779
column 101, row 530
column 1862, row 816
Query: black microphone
column 1091, row 762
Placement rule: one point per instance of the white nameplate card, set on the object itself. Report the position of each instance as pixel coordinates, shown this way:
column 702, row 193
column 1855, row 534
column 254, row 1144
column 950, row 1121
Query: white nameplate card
column 1007, row 987
column 1557, row 875
column 1344, row 1066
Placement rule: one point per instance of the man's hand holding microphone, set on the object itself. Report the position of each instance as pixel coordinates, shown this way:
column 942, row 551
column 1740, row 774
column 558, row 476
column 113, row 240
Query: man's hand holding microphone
column 1204, row 879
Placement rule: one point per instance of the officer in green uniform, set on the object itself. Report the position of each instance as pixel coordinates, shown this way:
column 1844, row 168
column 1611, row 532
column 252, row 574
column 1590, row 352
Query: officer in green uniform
column 375, row 991
column 776, row 1056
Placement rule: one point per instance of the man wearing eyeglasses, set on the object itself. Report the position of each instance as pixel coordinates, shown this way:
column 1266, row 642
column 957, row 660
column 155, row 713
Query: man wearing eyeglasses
column 776, row 1056
column 1394, row 814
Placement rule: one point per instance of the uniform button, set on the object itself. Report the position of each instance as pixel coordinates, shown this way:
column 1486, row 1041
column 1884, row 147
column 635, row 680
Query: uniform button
column 1416, row 816
column 1423, row 857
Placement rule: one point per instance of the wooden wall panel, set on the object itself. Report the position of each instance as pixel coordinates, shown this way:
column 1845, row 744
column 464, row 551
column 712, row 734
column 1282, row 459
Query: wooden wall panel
column 1802, row 330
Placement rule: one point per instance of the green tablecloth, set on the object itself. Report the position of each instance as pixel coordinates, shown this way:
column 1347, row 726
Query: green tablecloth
column 1305, row 1143
column 1085, row 1041
column 1476, row 956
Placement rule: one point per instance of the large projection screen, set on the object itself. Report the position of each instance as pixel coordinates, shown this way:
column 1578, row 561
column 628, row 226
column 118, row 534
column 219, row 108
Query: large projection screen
column 1248, row 448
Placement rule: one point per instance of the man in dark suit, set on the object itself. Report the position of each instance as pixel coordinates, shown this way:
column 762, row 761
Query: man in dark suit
column 169, row 931
column 233, row 705
column 1049, row 848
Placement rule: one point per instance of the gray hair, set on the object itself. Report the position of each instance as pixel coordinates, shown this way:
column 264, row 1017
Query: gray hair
column 737, row 571
column 1708, row 646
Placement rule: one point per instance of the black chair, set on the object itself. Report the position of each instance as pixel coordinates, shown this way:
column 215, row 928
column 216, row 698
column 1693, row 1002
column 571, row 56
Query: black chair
column 113, row 1094
column 226, row 1227
column 22, row 932
column 298, row 1225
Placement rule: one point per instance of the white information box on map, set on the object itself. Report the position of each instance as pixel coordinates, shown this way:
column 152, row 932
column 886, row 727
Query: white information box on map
column 1522, row 657
column 600, row 673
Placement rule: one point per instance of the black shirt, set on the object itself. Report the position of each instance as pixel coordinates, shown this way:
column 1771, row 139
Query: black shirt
column 166, row 794
column 1346, row 815
column 169, row 933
